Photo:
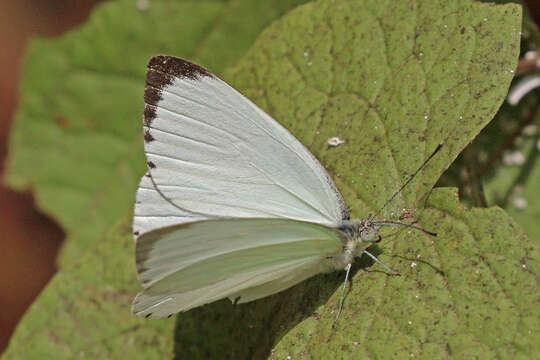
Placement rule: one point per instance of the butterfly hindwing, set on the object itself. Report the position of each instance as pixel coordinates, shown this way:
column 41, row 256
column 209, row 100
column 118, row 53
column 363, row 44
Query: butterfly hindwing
column 228, row 258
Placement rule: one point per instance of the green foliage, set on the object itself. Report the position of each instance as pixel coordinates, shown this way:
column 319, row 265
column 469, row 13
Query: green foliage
column 393, row 79
column 85, row 311
column 512, row 183
column 469, row 293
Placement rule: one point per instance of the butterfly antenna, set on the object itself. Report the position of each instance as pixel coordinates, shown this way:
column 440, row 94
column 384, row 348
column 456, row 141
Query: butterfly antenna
column 342, row 298
column 410, row 179
column 397, row 223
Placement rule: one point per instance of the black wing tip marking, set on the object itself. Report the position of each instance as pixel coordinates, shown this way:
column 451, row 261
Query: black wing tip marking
column 165, row 67
column 162, row 70
column 149, row 114
column 151, row 165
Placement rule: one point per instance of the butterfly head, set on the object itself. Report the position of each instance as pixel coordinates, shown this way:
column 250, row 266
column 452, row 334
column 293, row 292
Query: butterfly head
column 364, row 231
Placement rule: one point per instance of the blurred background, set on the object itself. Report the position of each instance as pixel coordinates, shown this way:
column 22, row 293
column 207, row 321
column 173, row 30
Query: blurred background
column 29, row 239
column 499, row 168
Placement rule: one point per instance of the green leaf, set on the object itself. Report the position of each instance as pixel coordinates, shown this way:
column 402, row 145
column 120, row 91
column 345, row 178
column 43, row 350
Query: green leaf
column 85, row 310
column 472, row 291
column 77, row 136
column 469, row 293
column 393, row 79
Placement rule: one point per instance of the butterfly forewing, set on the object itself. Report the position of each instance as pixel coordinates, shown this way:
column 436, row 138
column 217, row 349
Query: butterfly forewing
column 153, row 211
column 212, row 152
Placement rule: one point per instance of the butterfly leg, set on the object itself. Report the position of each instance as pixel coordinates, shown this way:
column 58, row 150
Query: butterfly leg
column 393, row 272
column 342, row 298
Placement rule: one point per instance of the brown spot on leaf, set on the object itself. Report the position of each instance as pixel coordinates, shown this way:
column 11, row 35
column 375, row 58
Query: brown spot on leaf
column 406, row 214
column 462, row 31
column 61, row 121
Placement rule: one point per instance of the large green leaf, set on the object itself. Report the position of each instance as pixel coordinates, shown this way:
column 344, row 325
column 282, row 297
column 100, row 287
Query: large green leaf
column 77, row 136
column 469, row 293
column 393, row 79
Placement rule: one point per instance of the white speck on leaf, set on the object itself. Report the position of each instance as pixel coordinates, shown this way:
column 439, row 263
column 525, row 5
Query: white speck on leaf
column 335, row 141
column 143, row 5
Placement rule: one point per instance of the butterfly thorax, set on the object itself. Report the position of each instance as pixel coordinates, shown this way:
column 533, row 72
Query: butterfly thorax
column 360, row 233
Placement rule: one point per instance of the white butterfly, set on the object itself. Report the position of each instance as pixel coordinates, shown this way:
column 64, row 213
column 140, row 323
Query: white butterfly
column 232, row 204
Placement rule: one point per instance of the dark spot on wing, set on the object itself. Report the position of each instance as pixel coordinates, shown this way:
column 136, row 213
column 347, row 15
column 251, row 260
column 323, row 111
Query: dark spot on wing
column 147, row 136
column 149, row 114
column 151, row 165
column 174, row 66
column 148, row 175
column 148, row 315
column 168, row 316
column 152, row 95
column 136, row 233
